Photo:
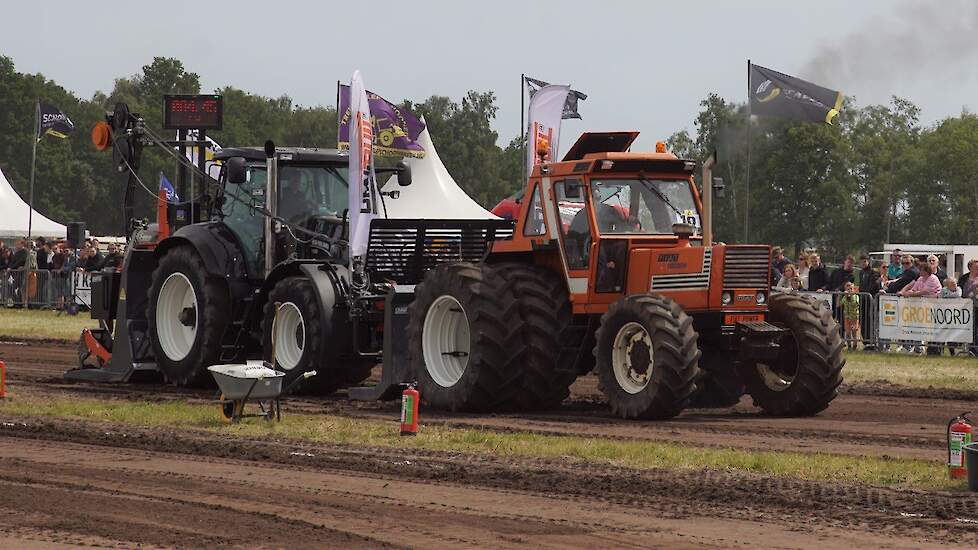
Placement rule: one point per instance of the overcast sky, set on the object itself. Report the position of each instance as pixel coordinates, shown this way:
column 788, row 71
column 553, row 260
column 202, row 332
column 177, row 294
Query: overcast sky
column 644, row 64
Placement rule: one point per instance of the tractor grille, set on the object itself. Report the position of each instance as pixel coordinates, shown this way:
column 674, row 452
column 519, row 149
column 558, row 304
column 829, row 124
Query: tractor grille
column 403, row 250
column 747, row 267
column 686, row 281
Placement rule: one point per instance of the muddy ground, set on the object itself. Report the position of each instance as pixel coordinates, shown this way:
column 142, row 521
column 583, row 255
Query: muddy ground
column 72, row 483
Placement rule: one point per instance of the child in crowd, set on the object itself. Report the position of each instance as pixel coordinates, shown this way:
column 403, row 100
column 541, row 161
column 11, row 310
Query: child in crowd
column 796, row 284
column 849, row 303
column 951, row 289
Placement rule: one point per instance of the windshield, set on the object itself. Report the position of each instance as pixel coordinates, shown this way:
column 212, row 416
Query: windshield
column 642, row 206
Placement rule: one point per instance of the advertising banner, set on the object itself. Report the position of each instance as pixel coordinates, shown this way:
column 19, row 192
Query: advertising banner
column 926, row 319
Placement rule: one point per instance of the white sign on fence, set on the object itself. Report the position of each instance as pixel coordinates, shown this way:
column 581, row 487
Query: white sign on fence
column 83, row 288
column 926, row 319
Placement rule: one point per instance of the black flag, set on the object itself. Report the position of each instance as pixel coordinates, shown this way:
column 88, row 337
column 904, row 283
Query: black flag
column 570, row 106
column 53, row 122
column 780, row 95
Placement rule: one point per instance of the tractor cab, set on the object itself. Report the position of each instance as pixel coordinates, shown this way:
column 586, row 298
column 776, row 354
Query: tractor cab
column 619, row 223
column 312, row 193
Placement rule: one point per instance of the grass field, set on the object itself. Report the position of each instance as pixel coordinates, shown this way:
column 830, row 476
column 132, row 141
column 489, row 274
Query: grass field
column 636, row 454
column 42, row 324
column 918, row 371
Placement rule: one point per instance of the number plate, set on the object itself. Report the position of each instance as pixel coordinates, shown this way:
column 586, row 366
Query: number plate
column 734, row 318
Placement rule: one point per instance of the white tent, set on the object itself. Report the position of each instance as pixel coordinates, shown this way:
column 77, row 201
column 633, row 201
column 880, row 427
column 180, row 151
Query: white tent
column 14, row 212
column 433, row 193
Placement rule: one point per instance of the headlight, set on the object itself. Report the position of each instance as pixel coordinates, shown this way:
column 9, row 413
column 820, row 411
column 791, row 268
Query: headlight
column 726, row 298
column 761, row 298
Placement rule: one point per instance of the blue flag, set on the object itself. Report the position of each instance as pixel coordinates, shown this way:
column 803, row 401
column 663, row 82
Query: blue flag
column 171, row 194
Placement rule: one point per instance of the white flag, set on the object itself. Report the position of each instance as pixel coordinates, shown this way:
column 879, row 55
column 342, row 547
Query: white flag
column 545, row 112
column 362, row 207
column 212, row 167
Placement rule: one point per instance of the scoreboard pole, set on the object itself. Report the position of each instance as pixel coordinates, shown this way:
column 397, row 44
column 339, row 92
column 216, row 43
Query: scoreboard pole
column 181, row 169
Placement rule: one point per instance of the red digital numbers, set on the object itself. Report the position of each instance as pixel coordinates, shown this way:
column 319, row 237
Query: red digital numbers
column 188, row 112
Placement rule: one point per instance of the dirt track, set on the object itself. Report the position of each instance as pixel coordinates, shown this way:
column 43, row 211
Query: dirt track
column 74, row 483
column 871, row 420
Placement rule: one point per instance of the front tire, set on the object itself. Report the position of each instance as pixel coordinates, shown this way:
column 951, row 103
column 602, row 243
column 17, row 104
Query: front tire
column 188, row 313
column 647, row 357
column 805, row 377
column 300, row 345
column 461, row 326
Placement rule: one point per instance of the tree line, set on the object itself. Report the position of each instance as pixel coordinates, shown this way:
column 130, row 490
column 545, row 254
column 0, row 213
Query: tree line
column 74, row 182
column 877, row 175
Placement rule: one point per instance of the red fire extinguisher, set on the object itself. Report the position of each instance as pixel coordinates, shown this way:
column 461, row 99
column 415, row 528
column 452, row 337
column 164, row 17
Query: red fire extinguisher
column 409, row 411
column 959, row 431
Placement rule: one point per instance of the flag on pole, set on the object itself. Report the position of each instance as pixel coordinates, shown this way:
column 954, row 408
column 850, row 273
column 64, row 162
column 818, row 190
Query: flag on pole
column 165, row 185
column 544, row 116
column 780, row 95
column 396, row 128
column 573, row 96
column 53, row 122
column 361, row 194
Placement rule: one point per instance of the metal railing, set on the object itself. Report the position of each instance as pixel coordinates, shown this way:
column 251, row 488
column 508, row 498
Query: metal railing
column 45, row 289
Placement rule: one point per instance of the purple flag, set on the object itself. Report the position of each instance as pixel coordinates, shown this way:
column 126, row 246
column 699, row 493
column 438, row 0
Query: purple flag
column 396, row 130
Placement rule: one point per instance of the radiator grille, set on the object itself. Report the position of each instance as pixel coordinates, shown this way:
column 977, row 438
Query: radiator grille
column 747, row 267
column 403, row 250
column 686, row 281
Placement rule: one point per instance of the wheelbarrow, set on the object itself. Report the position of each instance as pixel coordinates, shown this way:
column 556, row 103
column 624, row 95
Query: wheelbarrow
column 253, row 381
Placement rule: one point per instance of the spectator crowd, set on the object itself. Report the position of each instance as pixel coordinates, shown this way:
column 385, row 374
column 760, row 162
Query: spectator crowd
column 902, row 275
column 56, row 261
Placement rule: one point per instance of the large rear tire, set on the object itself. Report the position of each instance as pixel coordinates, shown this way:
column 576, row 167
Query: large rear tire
column 462, row 323
column 299, row 344
column 805, row 377
column 188, row 313
column 647, row 357
column 548, row 358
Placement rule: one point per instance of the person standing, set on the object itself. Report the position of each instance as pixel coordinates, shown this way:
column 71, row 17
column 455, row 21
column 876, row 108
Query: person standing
column 849, row 303
column 803, row 266
column 843, row 275
column 778, row 263
column 818, row 276
column 935, row 266
column 908, row 275
column 869, row 283
column 896, row 265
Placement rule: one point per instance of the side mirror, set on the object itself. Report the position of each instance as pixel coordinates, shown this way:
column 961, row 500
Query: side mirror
column 403, row 174
column 237, row 170
column 718, row 187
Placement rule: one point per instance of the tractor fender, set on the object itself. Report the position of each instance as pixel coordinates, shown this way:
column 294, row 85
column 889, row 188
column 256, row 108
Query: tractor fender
column 216, row 245
column 330, row 282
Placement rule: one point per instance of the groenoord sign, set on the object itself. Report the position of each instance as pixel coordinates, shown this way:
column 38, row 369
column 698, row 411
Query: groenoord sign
column 926, row 319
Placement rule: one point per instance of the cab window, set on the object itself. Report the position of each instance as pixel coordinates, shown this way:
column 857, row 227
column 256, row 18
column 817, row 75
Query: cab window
column 574, row 225
column 535, row 224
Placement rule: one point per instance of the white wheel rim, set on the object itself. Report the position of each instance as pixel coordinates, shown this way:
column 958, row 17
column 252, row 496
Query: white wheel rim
column 177, row 316
column 445, row 341
column 632, row 373
column 289, row 335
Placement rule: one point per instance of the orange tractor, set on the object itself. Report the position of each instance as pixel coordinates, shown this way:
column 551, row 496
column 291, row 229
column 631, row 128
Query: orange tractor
column 632, row 286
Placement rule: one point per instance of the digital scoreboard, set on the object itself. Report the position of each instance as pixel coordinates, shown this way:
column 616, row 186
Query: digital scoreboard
column 187, row 112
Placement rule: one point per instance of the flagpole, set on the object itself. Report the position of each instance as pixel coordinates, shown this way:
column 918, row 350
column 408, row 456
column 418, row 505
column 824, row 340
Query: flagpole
column 339, row 115
column 30, row 198
column 747, row 190
column 523, row 121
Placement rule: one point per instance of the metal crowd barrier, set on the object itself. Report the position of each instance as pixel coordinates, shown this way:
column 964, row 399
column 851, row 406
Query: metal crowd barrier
column 42, row 288
column 868, row 337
